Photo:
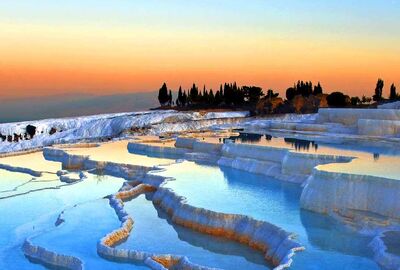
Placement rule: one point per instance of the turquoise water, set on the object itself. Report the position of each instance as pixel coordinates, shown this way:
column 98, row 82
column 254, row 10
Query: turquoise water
column 87, row 218
column 328, row 244
column 35, row 212
column 31, row 207
column 11, row 182
column 84, row 226
column 153, row 232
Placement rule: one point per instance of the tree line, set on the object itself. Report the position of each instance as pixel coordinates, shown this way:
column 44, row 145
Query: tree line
column 303, row 88
column 338, row 99
column 230, row 94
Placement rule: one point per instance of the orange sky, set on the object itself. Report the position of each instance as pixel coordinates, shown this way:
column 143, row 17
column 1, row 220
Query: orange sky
column 42, row 58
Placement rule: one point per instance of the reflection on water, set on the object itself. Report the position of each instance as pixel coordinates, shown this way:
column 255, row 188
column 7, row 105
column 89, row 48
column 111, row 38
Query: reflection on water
column 233, row 191
column 304, row 145
column 246, row 138
column 296, row 144
column 153, row 232
column 335, row 236
column 214, row 244
column 254, row 138
column 217, row 188
column 392, row 240
column 385, row 166
column 301, row 145
column 372, row 160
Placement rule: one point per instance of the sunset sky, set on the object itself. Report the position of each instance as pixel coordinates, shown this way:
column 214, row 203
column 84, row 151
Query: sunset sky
column 101, row 47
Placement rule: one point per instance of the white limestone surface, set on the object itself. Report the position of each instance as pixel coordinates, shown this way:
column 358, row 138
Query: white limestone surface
column 271, row 161
column 82, row 162
column 325, row 192
column 298, row 126
column 392, row 105
column 303, row 163
column 350, row 117
column 372, row 127
column 278, row 245
column 267, row 168
column 108, row 125
column 142, row 147
column 48, row 257
column 263, row 153
column 107, row 248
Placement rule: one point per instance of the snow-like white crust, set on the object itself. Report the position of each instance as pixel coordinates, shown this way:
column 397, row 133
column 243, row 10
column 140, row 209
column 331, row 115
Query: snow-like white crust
column 69, row 130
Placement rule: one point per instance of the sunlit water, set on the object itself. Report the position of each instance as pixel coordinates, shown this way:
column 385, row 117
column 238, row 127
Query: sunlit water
column 306, row 144
column 34, row 161
column 328, row 245
column 117, row 152
column 375, row 160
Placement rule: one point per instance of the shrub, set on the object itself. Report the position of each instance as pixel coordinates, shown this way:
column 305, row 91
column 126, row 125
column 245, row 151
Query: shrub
column 336, row 99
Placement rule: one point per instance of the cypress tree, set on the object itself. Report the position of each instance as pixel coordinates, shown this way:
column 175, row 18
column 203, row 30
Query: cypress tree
column 194, row 93
column 211, row 98
column 179, row 99
column 218, row 98
column 317, row 89
column 393, row 93
column 163, row 96
column 378, row 90
column 170, row 98
column 310, row 88
column 184, row 99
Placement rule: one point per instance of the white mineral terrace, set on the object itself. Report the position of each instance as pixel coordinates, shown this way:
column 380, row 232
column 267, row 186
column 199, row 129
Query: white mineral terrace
column 346, row 184
column 275, row 242
column 332, row 184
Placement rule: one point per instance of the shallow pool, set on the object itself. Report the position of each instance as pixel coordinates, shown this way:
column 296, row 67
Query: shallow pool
column 33, row 204
column 369, row 159
column 36, row 211
column 117, row 152
column 85, row 224
column 153, row 232
column 306, row 144
column 328, row 244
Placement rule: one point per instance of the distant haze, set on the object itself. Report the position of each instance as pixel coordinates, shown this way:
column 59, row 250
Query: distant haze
column 74, row 105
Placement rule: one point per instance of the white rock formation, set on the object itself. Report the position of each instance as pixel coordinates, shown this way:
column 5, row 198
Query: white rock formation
column 278, row 162
column 274, row 241
column 278, row 245
column 326, row 192
column 392, row 105
column 51, row 258
column 350, row 117
column 378, row 127
column 109, row 125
